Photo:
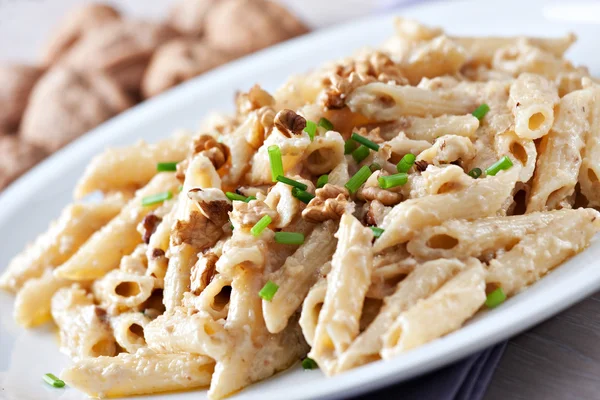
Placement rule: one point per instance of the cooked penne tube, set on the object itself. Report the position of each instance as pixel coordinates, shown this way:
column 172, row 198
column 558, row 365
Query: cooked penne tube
column 119, row 290
column 438, row 57
column 311, row 308
column 431, row 128
column 589, row 172
column 75, row 225
column 142, row 373
column 441, row 313
column 104, row 249
column 128, row 329
column 522, row 152
column 130, row 168
column 540, row 251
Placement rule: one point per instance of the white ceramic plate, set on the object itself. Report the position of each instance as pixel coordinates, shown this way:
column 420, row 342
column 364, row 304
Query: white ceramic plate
column 27, row 206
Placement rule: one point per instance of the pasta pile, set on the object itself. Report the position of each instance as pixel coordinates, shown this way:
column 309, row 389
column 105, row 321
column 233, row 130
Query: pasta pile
column 362, row 210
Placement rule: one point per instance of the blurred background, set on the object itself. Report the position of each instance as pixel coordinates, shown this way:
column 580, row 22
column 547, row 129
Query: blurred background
column 68, row 65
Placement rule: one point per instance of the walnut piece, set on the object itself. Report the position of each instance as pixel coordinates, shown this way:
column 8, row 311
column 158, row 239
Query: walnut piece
column 213, row 203
column 244, row 26
column 176, row 62
column 17, row 158
column 74, row 26
column 149, row 224
column 255, row 99
column 330, row 202
column 189, row 16
column 386, row 197
column 198, row 231
column 16, row 83
column 289, row 123
column 66, row 103
column 421, row 165
column 203, row 272
column 216, row 152
column 248, row 214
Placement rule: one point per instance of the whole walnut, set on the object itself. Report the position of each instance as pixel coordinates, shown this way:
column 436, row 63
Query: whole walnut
column 73, row 26
column 121, row 49
column 17, row 157
column 243, row 26
column 189, row 16
column 66, row 103
column 16, row 82
column 178, row 61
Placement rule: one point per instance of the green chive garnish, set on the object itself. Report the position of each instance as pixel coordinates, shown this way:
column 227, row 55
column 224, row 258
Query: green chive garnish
column 180, row 188
column 349, row 146
column 156, row 198
column 502, row 164
column 364, row 141
column 292, row 182
column 289, row 237
column 52, row 380
column 249, row 199
column 407, row 161
column 309, row 363
column 475, row 173
column 325, row 123
column 374, row 167
column 361, row 153
column 276, row 162
column 376, row 231
column 322, row 181
column 311, row 129
column 234, row 196
column 166, row 166
column 358, row 179
column 268, row 291
column 260, row 225
column 495, row 298
column 399, row 179
column 302, row 195
column 480, row 111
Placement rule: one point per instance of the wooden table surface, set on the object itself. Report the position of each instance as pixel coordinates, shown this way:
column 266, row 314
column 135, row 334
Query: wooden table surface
column 558, row 359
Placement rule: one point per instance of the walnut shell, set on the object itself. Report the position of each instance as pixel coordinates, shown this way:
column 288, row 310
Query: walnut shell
column 16, row 82
column 65, row 104
column 17, row 157
column 121, row 49
column 244, row 26
column 178, row 61
column 73, row 26
column 189, row 16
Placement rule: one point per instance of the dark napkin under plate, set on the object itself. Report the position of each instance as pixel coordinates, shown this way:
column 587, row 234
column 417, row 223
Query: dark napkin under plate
column 467, row 379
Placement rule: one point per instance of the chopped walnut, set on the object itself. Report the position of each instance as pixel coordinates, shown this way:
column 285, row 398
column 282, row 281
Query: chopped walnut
column 181, row 168
column 253, row 100
column 289, row 123
column 376, row 212
column 216, row 152
column 330, row 202
column 213, row 203
column 203, row 272
column 248, row 214
column 157, row 253
column 421, row 165
column 262, row 125
column 149, row 223
column 386, row 197
column 198, row 231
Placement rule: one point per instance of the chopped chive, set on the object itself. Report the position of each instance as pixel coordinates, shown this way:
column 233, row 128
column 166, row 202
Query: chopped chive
column 311, row 129
column 502, row 164
column 268, row 291
column 322, row 181
column 364, row 141
column 276, row 162
column 249, row 199
column 358, row 179
column 289, row 237
column 302, row 195
column 156, row 198
column 480, row 111
column 374, row 167
column 180, row 188
column 376, row 231
column 399, row 179
column 52, row 380
column 361, row 153
column 292, row 182
column 260, row 225
column 495, row 298
column 166, row 166
column 309, row 363
column 234, row 196
column 475, row 173
column 349, row 146
column 407, row 161
column 325, row 123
